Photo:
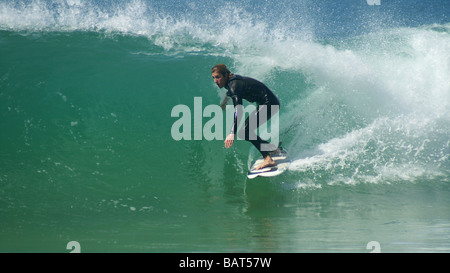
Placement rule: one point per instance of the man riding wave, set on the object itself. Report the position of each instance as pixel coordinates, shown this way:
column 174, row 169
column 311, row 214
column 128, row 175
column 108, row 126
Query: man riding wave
column 239, row 88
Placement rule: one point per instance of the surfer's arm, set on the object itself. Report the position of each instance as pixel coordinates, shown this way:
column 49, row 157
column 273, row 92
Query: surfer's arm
column 238, row 112
column 224, row 102
column 238, row 109
column 234, row 90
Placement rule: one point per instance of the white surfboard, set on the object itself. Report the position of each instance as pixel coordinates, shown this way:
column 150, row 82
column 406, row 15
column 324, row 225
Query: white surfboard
column 282, row 160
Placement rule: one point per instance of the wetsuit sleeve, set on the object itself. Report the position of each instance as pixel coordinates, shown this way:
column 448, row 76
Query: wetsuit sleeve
column 238, row 112
column 234, row 94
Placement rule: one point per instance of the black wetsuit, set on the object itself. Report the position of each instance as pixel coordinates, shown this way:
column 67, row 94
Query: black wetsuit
column 239, row 88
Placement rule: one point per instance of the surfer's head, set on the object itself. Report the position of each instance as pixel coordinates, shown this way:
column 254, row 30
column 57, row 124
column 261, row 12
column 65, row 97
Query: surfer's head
column 221, row 74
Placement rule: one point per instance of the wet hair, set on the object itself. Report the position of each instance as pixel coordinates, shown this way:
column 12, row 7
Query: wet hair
column 222, row 69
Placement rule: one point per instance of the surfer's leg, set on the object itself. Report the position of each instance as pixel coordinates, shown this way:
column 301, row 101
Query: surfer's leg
column 248, row 131
column 251, row 136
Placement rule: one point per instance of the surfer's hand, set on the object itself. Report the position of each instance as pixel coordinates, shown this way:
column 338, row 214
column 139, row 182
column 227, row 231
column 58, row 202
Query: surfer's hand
column 229, row 141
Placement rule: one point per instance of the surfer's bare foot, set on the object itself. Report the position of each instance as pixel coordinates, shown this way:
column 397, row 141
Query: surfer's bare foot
column 268, row 162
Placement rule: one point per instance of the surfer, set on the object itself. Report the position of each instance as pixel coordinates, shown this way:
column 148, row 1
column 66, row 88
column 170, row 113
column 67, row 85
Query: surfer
column 240, row 87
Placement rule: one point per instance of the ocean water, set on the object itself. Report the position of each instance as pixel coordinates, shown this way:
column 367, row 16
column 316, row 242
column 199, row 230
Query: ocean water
column 87, row 155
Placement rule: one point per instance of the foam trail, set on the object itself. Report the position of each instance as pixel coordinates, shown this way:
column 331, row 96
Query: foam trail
column 387, row 150
column 397, row 95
